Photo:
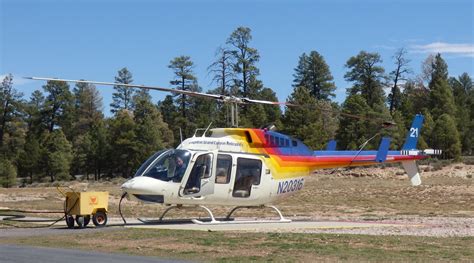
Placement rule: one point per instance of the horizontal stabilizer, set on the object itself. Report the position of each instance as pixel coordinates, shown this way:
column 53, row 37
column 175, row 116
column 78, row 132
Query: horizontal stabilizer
column 432, row 152
column 383, row 150
column 412, row 170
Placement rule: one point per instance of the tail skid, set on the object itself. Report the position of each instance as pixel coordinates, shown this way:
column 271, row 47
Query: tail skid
column 411, row 168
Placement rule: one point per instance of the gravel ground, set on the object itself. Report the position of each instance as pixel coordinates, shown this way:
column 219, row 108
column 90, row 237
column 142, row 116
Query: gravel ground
column 428, row 226
column 406, row 225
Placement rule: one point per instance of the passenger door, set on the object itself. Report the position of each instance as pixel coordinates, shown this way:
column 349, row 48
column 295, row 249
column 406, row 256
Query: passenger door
column 202, row 177
column 248, row 176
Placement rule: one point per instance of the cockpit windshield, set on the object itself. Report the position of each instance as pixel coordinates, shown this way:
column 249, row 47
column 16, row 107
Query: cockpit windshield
column 148, row 162
column 168, row 165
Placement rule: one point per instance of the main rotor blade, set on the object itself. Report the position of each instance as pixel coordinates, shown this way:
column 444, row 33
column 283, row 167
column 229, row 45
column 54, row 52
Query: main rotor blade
column 184, row 92
column 223, row 98
column 267, row 102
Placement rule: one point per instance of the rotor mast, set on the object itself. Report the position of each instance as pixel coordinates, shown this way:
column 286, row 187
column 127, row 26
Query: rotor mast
column 234, row 114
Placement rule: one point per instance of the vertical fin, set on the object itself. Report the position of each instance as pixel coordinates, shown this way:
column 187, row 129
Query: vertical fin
column 331, row 145
column 383, row 150
column 412, row 170
column 413, row 133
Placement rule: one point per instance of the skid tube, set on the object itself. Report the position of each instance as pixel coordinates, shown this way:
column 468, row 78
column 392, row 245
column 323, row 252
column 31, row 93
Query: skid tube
column 227, row 220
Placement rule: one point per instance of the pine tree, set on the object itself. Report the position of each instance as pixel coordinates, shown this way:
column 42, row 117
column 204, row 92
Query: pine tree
column 398, row 132
column 314, row 123
column 222, row 71
column 413, row 101
column 122, row 97
column 167, row 109
column 445, row 136
column 313, row 73
column 441, row 96
column 259, row 115
column 461, row 89
column 223, row 75
column 354, row 132
column 368, row 76
column 34, row 113
column 100, row 153
column 29, row 158
column 58, row 106
column 397, row 76
column 7, row 173
column 152, row 133
column 425, row 141
column 426, row 71
column 245, row 58
column 82, row 147
column 468, row 85
column 57, row 156
column 10, row 105
column 272, row 113
column 88, row 107
column 125, row 152
column 184, row 79
column 253, row 116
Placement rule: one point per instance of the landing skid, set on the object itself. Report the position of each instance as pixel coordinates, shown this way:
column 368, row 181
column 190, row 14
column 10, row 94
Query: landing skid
column 227, row 220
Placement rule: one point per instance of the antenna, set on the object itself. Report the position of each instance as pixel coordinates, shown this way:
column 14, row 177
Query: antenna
column 180, row 134
column 209, row 126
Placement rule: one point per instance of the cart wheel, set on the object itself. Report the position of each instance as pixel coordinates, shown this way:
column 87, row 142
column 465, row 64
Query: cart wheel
column 99, row 219
column 70, row 221
column 80, row 221
column 87, row 219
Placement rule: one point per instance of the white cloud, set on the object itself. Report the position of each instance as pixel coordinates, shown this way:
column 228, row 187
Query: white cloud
column 465, row 50
column 17, row 79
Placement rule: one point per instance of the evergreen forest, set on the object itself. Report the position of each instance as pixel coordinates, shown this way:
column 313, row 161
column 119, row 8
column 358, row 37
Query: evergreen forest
column 60, row 131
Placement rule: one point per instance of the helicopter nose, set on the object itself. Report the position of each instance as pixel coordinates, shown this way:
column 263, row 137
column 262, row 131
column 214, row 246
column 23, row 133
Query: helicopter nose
column 127, row 185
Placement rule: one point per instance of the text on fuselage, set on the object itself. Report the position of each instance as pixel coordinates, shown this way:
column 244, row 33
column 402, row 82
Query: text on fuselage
column 290, row 186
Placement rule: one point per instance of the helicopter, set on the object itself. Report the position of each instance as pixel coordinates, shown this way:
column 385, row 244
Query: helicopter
column 247, row 167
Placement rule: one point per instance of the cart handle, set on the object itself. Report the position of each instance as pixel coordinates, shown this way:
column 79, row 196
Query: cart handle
column 63, row 194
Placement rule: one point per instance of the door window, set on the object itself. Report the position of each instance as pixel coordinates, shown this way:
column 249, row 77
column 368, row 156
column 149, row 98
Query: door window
column 248, row 173
column 201, row 170
column 224, row 167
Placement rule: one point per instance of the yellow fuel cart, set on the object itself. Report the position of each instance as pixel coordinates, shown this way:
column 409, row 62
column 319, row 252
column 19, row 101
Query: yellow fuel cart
column 83, row 206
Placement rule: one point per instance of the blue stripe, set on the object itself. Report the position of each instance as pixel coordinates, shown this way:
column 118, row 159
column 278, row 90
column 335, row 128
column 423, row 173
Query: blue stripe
column 351, row 153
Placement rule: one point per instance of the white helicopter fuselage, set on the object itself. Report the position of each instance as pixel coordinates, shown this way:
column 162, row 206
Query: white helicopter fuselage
column 249, row 167
column 244, row 178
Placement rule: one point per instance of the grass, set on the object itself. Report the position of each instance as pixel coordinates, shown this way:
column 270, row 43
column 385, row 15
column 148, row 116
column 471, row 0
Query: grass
column 233, row 246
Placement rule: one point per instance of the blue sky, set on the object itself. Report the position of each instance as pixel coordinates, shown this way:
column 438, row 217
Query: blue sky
column 94, row 39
